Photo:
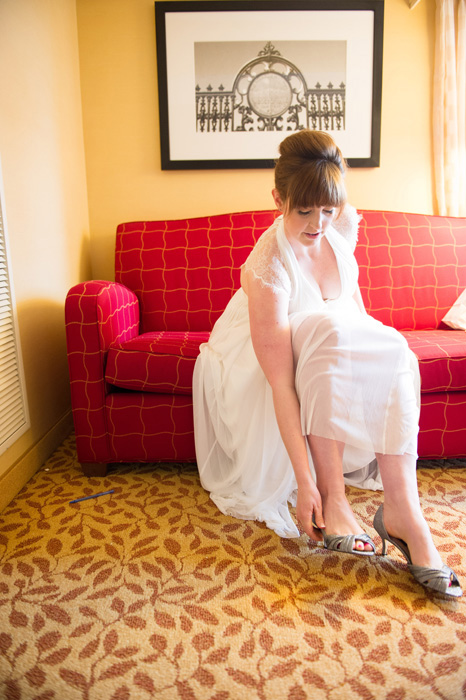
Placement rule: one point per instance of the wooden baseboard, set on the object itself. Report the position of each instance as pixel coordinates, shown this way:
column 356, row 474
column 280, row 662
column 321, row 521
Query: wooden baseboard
column 24, row 468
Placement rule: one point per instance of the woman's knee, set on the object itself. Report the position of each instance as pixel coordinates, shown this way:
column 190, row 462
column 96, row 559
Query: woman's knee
column 335, row 331
column 327, row 325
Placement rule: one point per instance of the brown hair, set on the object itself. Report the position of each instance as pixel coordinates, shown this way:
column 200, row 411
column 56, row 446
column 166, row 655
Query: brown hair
column 310, row 171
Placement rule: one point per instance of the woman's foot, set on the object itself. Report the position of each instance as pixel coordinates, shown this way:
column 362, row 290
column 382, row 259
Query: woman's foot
column 435, row 576
column 340, row 520
column 410, row 526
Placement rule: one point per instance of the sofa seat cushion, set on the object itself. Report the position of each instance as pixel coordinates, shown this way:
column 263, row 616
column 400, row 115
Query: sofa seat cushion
column 442, row 359
column 161, row 362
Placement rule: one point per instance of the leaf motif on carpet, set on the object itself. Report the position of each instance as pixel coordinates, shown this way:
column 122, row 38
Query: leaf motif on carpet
column 151, row 592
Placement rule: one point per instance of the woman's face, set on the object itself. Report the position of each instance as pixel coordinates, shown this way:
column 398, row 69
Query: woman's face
column 306, row 226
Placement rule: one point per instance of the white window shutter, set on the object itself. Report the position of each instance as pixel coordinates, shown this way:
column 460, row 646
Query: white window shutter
column 14, row 419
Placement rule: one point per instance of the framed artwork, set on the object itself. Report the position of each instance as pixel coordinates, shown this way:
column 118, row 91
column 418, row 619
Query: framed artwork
column 237, row 76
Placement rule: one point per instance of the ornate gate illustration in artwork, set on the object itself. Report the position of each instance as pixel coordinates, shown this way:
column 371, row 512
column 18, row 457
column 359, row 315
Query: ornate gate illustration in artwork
column 270, row 94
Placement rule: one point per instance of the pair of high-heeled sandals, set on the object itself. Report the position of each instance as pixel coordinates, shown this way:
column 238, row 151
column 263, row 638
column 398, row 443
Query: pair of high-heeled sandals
column 442, row 580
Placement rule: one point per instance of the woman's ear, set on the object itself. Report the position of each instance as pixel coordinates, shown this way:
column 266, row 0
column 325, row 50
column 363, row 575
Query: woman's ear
column 277, row 199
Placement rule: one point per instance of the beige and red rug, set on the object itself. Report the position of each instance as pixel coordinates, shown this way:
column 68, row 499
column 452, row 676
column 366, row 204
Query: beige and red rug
column 150, row 592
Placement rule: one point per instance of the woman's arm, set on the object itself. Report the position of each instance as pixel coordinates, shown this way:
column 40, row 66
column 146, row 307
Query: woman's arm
column 271, row 338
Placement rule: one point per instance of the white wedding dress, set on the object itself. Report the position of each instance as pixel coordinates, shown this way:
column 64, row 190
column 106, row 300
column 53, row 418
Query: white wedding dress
column 356, row 380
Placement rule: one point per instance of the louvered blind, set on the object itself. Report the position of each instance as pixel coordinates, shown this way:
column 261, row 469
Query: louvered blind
column 13, row 409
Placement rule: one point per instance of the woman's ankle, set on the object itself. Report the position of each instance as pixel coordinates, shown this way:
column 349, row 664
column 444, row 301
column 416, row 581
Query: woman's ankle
column 402, row 510
column 331, row 494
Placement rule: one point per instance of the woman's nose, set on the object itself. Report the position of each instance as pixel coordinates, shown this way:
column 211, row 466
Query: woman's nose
column 315, row 221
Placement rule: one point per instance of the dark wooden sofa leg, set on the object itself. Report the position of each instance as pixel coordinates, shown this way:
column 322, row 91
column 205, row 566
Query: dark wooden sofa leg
column 94, row 468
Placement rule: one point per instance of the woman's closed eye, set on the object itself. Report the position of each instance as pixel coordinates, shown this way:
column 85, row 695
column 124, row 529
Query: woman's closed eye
column 329, row 212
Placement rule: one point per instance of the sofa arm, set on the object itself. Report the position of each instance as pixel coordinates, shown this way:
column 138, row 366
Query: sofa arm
column 97, row 313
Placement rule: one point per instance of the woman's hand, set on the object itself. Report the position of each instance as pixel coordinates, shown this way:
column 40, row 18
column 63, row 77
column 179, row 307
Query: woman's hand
column 309, row 508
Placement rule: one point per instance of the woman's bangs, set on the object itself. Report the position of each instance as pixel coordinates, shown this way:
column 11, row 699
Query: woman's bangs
column 316, row 189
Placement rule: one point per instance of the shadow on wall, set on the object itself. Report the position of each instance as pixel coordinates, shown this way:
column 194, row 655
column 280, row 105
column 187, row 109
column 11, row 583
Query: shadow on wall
column 102, row 252
column 42, row 334
column 85, row 262
column 41, row 323
column 43, row 343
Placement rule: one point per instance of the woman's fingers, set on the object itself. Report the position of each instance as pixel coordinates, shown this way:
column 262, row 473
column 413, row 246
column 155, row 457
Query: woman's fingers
column 306, row 525
column 318, row 516
column 310, row 531
column 309, row 512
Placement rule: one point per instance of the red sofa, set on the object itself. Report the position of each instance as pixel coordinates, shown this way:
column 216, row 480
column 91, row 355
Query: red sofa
column 132, row 344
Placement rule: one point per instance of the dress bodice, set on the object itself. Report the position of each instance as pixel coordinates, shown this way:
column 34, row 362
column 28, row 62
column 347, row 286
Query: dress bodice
column 274, row 263
column 305, row 296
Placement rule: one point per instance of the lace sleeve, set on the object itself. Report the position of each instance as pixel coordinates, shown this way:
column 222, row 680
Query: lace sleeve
column 347, row 224
column 266, row 264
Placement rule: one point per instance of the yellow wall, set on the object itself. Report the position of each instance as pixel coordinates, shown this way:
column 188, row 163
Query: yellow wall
column 70, row 65
column 120, row 108
column 42, row 152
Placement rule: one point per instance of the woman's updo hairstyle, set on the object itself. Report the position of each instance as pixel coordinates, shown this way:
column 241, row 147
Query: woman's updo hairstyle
column 310, row 171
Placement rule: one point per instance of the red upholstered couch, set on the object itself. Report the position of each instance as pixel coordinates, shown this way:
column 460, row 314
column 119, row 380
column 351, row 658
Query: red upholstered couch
column 132, row 344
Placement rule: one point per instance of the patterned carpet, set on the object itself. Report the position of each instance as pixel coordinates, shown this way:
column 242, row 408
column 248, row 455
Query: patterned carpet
column 151, row 593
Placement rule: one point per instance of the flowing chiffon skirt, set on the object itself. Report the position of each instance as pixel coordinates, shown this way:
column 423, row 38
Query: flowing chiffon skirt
column 240, row 454
column 357, row 381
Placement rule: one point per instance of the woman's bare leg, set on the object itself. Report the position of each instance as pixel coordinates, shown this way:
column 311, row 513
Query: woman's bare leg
column 403, row 516
column 327, row 456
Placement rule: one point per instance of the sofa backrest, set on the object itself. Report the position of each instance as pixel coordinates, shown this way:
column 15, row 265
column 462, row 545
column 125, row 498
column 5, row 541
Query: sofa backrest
column 184, row 272
column 412, row 267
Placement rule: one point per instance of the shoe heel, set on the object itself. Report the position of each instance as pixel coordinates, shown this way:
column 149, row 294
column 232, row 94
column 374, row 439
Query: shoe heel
column 380, row 529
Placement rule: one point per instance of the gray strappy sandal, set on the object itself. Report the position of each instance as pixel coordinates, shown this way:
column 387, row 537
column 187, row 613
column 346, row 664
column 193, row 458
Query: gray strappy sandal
column 345, row 543
column 442, row 580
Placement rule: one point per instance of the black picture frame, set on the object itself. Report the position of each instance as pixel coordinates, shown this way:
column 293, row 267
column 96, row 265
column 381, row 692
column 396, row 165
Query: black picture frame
column 196, row 137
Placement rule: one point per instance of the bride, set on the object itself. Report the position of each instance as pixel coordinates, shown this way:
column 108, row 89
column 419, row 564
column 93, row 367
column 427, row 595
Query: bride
column 299, row 390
